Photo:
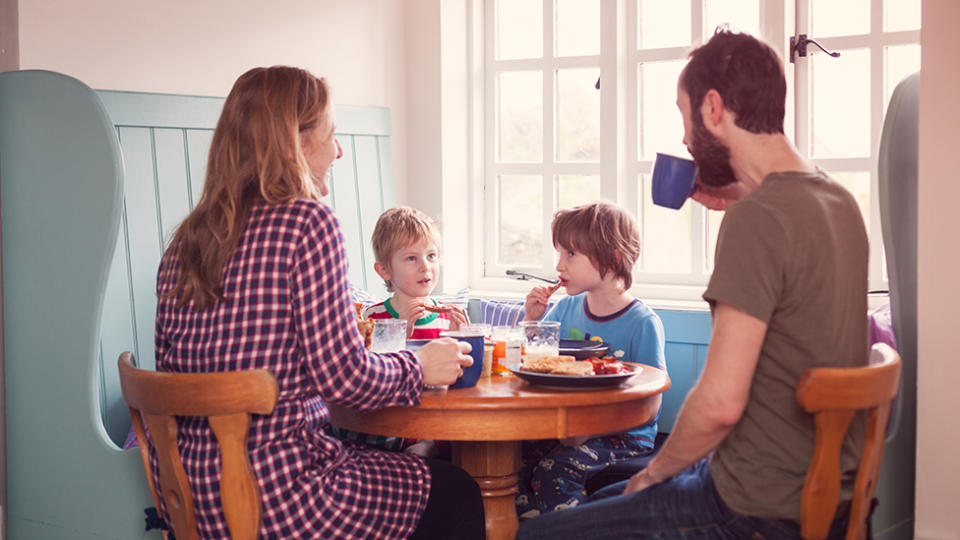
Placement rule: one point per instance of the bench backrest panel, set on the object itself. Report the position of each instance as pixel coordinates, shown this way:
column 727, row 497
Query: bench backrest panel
column 61, row 185
column 165, row 140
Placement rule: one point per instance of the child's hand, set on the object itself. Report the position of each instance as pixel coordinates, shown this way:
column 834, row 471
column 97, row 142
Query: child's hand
column 411, row 310
column 458, row 318
column 537, row 301
column 574, row 441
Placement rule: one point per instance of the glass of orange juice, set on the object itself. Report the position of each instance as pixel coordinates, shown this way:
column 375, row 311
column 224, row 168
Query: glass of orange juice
column 507, row 344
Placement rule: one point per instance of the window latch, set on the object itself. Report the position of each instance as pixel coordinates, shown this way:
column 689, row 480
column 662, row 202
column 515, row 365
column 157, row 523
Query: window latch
column 798, row 47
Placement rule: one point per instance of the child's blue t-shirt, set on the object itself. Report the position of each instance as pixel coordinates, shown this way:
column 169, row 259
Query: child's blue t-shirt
column 635, row 334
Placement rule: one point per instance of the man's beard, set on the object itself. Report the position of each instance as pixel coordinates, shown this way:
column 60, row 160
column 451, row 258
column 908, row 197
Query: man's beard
column 712, row 158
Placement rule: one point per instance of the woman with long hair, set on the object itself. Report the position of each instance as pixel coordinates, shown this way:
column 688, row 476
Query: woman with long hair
column 256, row 277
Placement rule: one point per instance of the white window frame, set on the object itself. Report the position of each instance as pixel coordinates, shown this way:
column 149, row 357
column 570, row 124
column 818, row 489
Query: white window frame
column 619, row 164
column 875, row 41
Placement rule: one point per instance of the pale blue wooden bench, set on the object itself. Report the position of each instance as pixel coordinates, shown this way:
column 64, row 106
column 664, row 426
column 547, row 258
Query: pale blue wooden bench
column 92, row 185
column 165, row 139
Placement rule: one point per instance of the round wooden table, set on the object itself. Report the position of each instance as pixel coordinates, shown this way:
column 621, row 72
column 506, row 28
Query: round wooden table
column 486, row 424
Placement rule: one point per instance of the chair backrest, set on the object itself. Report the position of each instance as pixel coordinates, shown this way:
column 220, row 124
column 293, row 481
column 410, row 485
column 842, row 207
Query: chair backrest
column 227, row 400
column 834, row 396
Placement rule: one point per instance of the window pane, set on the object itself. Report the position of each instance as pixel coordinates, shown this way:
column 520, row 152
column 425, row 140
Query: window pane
column 661, row 126
column 858, row 184
column 520, row 116
column 519, row 30
column 578, row 115
column 574, row 189
column 839, row 18
column 521, row 220
column 902, row 61
column 841, row 104
column 663, row 24
column 901, row 15
column 578, row 27
column 665, row 234
column 713, row 219
column 741, row 15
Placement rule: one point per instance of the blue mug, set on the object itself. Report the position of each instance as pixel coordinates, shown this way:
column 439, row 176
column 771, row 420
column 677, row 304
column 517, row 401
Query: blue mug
column 674, row 179
column 470, row 374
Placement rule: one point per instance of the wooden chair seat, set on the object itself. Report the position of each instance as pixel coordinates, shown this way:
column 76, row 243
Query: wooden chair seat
column 227, row 400
column 834, row 396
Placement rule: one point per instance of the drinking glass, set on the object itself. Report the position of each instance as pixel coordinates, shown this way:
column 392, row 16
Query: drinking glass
column 540, row 338
column 389, row 335
column 507, row 344
column 483, row 328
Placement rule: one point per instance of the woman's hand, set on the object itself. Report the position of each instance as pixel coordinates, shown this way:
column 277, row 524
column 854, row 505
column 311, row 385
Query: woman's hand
column 443, row 360
column 536, row 304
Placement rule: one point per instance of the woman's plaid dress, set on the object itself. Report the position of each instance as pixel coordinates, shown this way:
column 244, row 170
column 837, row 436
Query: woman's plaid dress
column 288, row 310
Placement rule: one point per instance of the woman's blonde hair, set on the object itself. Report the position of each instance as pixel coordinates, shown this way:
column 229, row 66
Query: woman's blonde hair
column 255, row 156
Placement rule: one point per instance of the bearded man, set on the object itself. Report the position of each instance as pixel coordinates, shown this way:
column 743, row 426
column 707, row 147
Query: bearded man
column 788, row 292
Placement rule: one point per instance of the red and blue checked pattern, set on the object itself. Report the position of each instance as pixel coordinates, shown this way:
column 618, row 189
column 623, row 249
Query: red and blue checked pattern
column 288, row 310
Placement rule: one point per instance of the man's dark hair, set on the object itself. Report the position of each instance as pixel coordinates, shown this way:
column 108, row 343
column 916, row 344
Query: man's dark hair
column 748, row 75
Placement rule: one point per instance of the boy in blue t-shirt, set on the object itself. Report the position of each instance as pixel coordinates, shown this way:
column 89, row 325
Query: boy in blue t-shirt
column 598, row 244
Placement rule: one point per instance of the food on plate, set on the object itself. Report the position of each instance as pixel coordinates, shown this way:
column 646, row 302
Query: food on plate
column 557, row 365
column 568, row 365
column 607, row 365
column 439, row 309
column 365, row 326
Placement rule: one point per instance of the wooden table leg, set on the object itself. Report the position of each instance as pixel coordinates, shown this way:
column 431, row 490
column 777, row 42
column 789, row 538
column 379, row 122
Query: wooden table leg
column 494, row 465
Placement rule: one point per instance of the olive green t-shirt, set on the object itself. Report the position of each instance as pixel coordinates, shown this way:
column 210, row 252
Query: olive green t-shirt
column 792, row 253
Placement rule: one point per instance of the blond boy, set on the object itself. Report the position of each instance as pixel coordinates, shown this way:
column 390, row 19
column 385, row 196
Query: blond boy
column 406, row 244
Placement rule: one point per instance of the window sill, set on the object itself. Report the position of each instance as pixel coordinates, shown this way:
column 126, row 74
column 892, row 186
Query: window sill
column 654, row 303
column 874, row 300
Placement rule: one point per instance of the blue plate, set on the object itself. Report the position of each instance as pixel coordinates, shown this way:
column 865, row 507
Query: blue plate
column 582, row 348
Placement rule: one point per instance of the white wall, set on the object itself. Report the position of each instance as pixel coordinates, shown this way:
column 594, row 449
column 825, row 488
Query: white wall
column 439, row 107
column 938, row 289
column 201, row 46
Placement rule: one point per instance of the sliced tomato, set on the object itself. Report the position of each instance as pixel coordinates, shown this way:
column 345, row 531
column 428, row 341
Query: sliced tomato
column 606, row 366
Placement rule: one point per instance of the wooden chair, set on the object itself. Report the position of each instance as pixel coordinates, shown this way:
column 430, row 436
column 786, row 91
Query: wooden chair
column 227, row 400
column 833, row 396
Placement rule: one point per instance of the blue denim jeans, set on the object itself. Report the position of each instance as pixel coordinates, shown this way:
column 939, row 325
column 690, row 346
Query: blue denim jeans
column 686, row 506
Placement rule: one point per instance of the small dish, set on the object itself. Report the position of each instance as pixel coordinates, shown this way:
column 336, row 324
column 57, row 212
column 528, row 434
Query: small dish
column 582, row 349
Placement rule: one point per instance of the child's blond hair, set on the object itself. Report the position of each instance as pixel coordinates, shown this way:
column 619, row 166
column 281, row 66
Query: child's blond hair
column 399, row 227
column 605, row 233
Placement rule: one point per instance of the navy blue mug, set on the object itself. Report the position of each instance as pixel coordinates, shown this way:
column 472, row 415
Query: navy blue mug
column 674, row 179
column 470, row 374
